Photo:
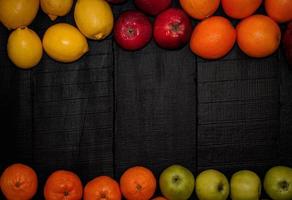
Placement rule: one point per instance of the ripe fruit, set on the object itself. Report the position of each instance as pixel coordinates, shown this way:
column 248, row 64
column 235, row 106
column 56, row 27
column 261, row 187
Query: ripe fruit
column 102, row 188
column 18, row 13
column 132, row 30
column 172, row 28
column 138, row 183
column 64, row 43
column 212, row 185
column 258, row 36
column 200, row 9
column 245, row 185
column 177, row 182
column 55, row 8
column 279, row 10
column 278, row 183
column 94, row 18
column 213, row 38
column 152, row 7
column 287, row 40
column 24, row 48
column 63, row 184
column 239, row 9
column 19, row 182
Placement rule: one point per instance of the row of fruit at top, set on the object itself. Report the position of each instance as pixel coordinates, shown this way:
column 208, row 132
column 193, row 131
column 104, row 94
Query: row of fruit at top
column 212, row 38
column 176, row 182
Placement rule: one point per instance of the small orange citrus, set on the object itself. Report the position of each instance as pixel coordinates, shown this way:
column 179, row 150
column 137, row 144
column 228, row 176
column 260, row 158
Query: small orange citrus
column 200, row 9
column 213, row 38
column 138, row 183
column 258, row 36
column 239, row 9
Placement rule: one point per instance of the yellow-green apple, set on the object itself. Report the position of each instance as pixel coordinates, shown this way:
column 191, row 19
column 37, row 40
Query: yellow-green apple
column 212, row 185
column 278, row 183
column 132, row 30
column 177, row 183
column 172, row 28
column 245, row 185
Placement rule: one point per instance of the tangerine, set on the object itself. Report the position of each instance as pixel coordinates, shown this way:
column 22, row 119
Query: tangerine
column 19, row 182
column 102, row 187
column 200, row 9
column 258, row 36
column 62, row 185
column 213, row 38
column 279, row 10
column 138, row 183
column 239, row 9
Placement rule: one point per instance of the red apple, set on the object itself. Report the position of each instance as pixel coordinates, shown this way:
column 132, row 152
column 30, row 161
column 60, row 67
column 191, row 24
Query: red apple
column 172, row 28
column 132, row 30
column 116, row 1
column 152, row 7
column 287, row 40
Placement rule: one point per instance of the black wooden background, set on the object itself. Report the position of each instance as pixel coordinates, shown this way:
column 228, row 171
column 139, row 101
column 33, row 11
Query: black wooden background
column 114, row 109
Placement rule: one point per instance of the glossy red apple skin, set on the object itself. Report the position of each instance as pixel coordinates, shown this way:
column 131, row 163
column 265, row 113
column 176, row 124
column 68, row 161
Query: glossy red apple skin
column 116, row 1
column 172, row 28
column 133, row 30
column 152, row 7
column 287, row 41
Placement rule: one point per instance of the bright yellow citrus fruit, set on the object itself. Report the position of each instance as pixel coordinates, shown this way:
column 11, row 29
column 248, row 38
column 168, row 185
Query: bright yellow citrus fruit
column 55, row 8
column 94, row 18
column 24, row 48
column 18, row 13
column 63, row 42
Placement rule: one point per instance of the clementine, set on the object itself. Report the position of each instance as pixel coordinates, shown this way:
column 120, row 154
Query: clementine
column 279, row 10
column 239, row 9
column 200, row 9
column 213, row 38
column 101, row 188
column 19, row 182
column 258, row 36
column 138, row 183
column 63, row 185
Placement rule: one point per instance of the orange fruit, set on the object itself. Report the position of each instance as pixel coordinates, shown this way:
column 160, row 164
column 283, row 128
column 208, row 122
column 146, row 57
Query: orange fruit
column 239, row 9
column 138, row 183
column 213, row 38
column 279, row 10
column 19, row 182
column 102, row 188
column 200, row 9
column 258, row 36
column 159, row 198
column 62, row 185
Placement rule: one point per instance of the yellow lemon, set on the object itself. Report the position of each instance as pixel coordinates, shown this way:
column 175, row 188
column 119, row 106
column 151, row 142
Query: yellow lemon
column 63, row 42
column 24, row 48
column 18, row 13
column 94, row 18
column 55, row 8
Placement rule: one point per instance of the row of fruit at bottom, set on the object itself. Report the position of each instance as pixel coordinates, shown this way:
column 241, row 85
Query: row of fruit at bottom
column 176, row 182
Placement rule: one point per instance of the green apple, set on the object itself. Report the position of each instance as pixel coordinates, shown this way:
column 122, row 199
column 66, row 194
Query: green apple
column 212, row 185
column 176, row 183
column 278, row 183
column 245, row 185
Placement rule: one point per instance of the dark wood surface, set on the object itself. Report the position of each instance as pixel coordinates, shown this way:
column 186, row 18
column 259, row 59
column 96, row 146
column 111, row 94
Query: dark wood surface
column 114, row 109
